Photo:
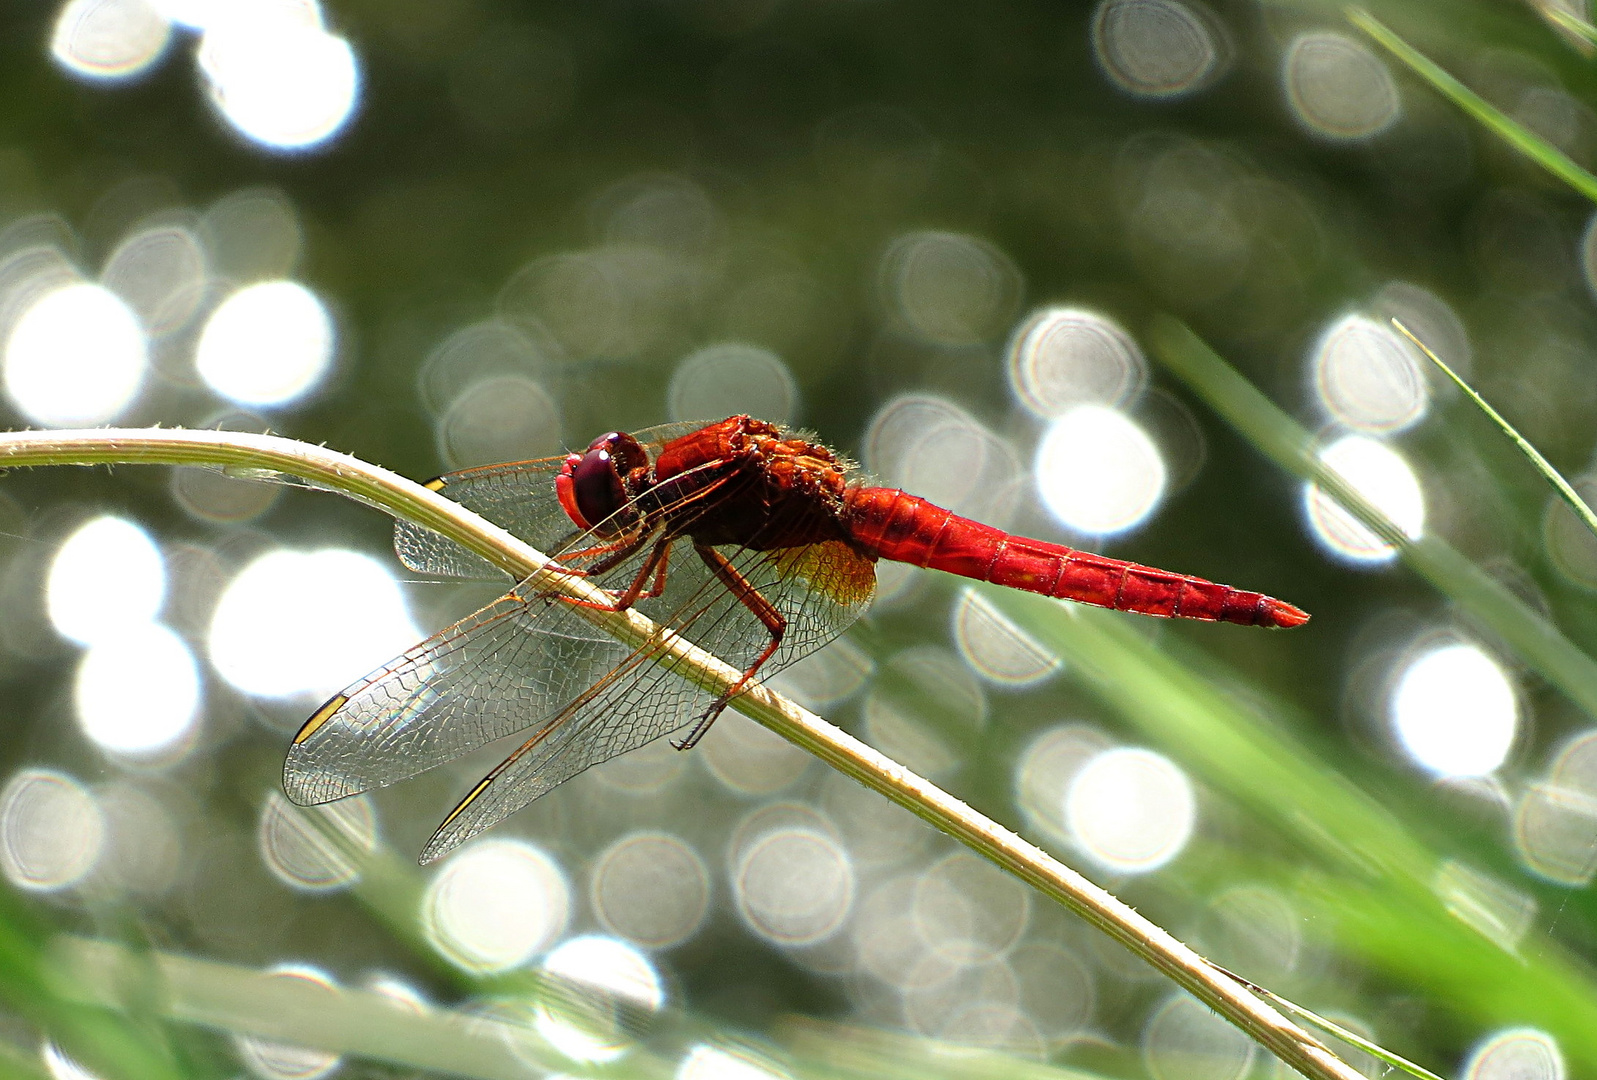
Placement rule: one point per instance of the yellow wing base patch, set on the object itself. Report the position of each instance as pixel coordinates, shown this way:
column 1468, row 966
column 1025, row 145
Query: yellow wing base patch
column 831, row 567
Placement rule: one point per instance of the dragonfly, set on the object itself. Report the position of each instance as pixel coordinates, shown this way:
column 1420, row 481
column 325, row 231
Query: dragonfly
column 748, row 540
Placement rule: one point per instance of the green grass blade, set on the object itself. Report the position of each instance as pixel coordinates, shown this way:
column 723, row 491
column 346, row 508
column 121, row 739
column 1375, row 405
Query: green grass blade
column 1517, row 135
column 1543, row 466
column 230, row 998
column 1577, row 28
column 1538, row 642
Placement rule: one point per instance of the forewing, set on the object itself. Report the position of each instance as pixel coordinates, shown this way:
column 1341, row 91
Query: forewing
column 820, row 589
column 518, row 496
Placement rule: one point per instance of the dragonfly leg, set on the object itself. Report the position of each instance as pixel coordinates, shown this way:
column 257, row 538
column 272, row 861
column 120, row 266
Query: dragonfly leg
column 640, row 589
column 625, row 546
column 763, row 610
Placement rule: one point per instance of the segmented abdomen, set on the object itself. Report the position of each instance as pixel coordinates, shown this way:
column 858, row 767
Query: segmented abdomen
column 895, row 525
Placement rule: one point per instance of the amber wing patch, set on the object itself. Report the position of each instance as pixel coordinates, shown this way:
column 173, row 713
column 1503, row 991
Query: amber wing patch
column 832, row 568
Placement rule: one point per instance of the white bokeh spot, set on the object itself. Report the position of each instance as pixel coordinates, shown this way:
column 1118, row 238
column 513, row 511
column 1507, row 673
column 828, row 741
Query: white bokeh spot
column 1098, row 471
column 1455, row 712
column 306, row 623
column 106, row 579
column 267, row 344
column 75, row 358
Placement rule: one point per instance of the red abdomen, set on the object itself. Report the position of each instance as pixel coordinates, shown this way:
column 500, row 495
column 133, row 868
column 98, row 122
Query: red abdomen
column 895, row 525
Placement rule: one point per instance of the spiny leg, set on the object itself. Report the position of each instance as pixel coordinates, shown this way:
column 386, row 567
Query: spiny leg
column 763, row 610
column 654, row 565
column 615, row 553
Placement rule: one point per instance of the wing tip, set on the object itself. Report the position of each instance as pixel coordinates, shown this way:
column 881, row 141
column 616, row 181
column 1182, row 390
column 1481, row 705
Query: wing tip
column 441, row 844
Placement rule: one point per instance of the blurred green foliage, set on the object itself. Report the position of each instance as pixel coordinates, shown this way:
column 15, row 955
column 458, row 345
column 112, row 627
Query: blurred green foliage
column 490, row 135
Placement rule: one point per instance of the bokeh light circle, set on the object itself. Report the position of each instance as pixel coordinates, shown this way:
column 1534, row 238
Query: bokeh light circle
column 750, row 759
column 826, row 677
column 938, row 450
column 107, row 578
column 1516, row 1054
column 949, row 288
column 138, row 692
column 1338, row 88
column 1185, row 1040
column 1098, row 471
column 1156, row 48
column 507, row 417
column 970, row 912
column 144, row 851
column 724, row 380
column 794, row 886
column 106, row 40
column 300, row 852
column 1385, row 479
column 161, row 272
column 277, row 77
column 267, row 344
column 494, row 905
column 269, row 1059
column 1554, row 829
column 600, row 980
column 62, row 1066
column 1056, row 986
column 52, row 830
column 997, row 649
column 307, row 622
column 1368, row 377
column 1454, row 711
column 650, row 888
column 253, row 234
column 1045, row 770
column 1571, row 546
column 75, row 358
column 1061, row 357
column 1130, row 809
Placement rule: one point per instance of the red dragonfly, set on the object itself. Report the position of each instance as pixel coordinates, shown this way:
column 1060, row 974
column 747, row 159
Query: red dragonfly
column 749, row 541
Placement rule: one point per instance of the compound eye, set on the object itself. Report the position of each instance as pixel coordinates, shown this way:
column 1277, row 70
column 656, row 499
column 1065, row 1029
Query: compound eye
column 596, row 485
column 593, row 486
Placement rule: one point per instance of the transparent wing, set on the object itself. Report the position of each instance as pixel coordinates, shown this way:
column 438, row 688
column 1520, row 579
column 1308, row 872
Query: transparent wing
column 486, row 677
column 820, row 589
column 518, row 496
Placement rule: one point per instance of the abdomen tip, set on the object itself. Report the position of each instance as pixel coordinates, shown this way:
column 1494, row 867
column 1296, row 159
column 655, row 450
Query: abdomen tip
column 1281, row 614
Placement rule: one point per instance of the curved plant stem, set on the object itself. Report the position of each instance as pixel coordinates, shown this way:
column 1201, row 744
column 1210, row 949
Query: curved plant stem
column 1352, row 1038
column 403, row 498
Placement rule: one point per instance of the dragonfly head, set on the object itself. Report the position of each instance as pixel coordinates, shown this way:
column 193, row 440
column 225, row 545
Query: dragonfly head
column 595, row 485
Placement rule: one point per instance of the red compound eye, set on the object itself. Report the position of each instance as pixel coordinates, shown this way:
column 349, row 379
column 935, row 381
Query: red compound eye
column 590, row 485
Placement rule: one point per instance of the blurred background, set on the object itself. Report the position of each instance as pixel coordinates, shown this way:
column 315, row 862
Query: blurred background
column 952, row 240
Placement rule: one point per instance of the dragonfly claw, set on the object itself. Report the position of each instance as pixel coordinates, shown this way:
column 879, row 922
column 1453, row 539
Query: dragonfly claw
column 701, row 726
